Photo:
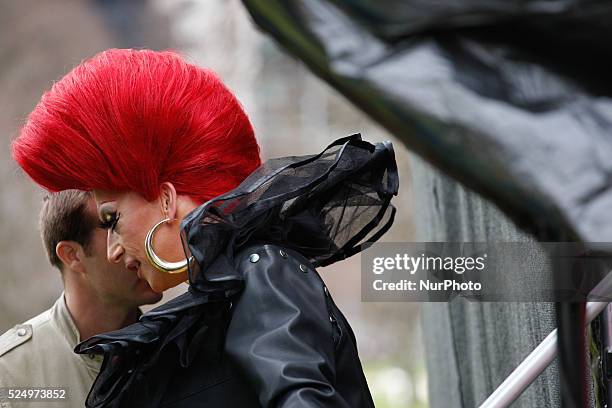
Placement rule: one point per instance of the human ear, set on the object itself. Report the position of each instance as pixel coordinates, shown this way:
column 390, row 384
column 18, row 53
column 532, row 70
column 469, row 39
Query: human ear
column 68, row 252
column 168, row 199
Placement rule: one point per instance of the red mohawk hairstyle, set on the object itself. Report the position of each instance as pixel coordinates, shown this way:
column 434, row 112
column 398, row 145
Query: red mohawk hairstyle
column 129, row 120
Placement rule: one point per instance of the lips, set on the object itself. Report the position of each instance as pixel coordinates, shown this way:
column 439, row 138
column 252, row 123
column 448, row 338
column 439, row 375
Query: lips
column 134, row 266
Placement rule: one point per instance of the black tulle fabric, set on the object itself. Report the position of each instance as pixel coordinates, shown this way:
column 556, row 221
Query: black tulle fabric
column 327, row 206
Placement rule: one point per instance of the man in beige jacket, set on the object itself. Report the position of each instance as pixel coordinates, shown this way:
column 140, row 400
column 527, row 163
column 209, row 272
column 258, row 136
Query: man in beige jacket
column 37, row 364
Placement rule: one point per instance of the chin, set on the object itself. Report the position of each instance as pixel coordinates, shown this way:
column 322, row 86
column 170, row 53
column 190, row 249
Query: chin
column 157, row 287
column 160, row 281
column 168, row 282
column 145, row 294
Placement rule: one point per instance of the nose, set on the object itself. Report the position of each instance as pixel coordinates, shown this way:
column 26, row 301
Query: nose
column 114, row 250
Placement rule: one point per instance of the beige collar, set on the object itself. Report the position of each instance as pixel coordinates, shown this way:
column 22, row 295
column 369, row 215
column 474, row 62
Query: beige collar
column 63, row 322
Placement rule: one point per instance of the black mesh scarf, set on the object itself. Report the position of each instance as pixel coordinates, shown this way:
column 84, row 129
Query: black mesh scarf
column 327, row 206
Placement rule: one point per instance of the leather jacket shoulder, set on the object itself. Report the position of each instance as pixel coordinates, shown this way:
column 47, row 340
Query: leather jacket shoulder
column 287, row 337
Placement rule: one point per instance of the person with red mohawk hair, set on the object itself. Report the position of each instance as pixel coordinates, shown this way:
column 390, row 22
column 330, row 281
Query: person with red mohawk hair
column 174, row 167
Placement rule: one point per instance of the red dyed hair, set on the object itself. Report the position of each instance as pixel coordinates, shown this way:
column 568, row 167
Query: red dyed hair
column 129, row 120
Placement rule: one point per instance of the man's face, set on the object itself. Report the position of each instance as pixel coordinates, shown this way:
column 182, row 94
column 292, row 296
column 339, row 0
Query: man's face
column 113, row 283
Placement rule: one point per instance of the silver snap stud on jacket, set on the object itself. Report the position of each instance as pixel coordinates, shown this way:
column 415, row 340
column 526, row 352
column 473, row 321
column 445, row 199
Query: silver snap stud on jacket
column 282, row 253
column 254, row 258
column 325, row 290
column 22, row 332
column 303, row 268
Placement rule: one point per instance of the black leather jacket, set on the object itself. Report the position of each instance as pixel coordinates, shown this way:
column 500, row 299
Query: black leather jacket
column 287, row 344
column 258, row 327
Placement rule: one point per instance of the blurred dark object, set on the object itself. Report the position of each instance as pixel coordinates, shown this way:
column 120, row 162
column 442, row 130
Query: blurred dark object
column 511, row 98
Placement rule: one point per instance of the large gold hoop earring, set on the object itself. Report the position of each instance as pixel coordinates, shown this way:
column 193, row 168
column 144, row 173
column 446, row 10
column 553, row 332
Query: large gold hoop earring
column 157, row 262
